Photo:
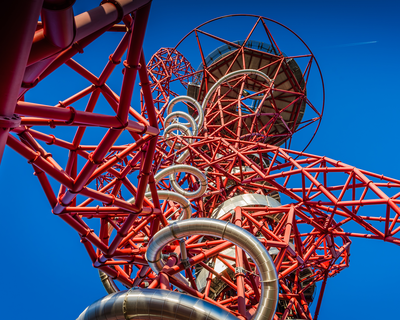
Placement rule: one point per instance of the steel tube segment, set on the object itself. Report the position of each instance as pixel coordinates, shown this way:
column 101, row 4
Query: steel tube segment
column 200, row 118
column 41, row 69
column 18, row 35
column 240, row 237
column 239, row 272
column 232, row 75
column 146, row 169
column 63, row 57
column 114, row 59
column 108, row 13
column 144, row 78
column 171, row 171
column 183, row 128
column 86, row 23
column 37, row 160
column 176, row 197
column 141, row 275
column 74, row 117
column 153, row 304
column 132, row 61
column 107, row 282
column 58, row 22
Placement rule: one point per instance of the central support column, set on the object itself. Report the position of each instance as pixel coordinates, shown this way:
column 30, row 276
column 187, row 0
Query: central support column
column 18, row 20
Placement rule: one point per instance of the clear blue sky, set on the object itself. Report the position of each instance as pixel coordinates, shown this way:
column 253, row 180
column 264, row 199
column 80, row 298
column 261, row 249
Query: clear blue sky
column 45, row 270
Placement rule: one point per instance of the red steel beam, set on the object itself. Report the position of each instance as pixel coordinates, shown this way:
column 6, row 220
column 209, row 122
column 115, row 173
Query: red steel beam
column 18, row 38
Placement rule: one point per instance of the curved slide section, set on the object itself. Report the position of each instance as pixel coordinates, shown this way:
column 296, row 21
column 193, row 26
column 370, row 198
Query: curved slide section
column 225, row 230
column 153, row 304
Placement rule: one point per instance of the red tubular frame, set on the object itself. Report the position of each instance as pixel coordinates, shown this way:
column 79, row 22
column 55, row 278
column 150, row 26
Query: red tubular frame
column 15, row 59
column 310, row 236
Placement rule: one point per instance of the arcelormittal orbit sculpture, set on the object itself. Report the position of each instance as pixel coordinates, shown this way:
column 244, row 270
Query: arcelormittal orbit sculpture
column 191, row 197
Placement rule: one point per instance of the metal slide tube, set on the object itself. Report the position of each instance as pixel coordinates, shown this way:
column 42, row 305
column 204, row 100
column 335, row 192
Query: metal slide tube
column 232, row 75
column 240, row 237
column 171, row 171
column 195, row 124
column 200, row 118
column 108, row 283
column 176, row 197
column 181, row 128
column 168, row 120
column 153, row 304
column 169, row 126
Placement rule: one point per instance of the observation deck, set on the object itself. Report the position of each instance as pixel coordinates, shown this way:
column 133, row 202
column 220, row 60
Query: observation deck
column 281, row 111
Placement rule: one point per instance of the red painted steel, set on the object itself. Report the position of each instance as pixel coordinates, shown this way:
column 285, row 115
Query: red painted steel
column 14, row 60
column 309, row 237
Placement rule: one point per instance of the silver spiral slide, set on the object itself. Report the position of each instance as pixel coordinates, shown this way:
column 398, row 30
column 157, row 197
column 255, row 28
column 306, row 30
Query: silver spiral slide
column 240, row 237
column 153, row 304
column 158, row 304
column 179, row 195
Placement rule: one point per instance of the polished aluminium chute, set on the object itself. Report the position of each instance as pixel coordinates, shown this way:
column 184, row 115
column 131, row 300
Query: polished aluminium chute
column 140, row 303
column 153, row 304
column 225, row 230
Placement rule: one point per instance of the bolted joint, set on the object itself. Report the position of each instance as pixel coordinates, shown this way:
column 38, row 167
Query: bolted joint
column 185, row 263
column 10, row 122
column 90, row 158
column 110, row 58
column 129, row 66
column 166, row 256
column 117, row 6
column 240, row 271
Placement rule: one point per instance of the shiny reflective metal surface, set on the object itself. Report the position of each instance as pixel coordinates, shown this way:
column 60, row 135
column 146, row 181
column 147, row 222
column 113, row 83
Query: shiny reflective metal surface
column 176, row 197
column 153, row 304
column 171, row 171
column 172, row 123
column 245, row 200
column 225, row 230
column 232, row 75
column 182, row 127
column 200, row 118
column 108, row 283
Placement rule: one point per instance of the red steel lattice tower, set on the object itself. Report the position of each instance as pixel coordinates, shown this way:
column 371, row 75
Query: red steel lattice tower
column 203, row 211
